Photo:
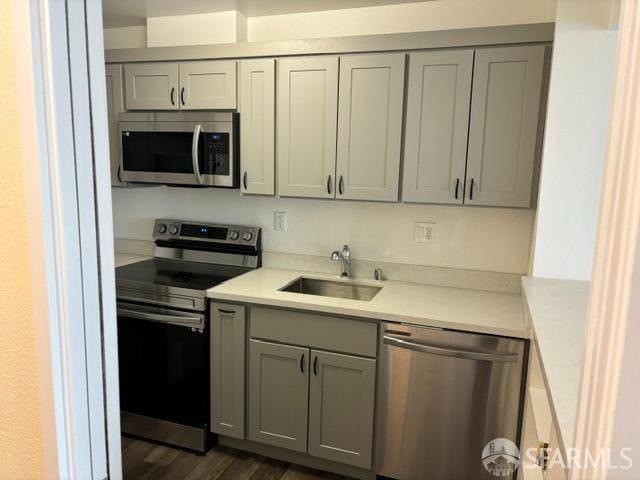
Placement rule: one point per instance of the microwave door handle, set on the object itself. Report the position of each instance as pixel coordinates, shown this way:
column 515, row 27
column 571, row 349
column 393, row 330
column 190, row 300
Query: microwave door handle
column 194, row 153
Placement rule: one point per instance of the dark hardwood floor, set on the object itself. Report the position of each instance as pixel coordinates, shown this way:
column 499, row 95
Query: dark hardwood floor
column 146, row 460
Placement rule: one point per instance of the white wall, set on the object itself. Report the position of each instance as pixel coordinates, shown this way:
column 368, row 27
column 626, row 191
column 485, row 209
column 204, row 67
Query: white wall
column 467, row 237
column 125, row 37
column 577, row 133
column 410, row 17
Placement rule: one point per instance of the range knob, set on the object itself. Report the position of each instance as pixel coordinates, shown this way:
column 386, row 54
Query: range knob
column 247, row 236
column 161, row 228
column 233, row 235
column 173, row 229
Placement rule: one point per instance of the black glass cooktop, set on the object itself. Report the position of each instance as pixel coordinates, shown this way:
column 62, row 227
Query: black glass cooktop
column 177, row 273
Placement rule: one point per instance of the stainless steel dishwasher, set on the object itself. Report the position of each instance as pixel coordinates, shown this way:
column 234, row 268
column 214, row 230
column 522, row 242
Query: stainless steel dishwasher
column 442, row 396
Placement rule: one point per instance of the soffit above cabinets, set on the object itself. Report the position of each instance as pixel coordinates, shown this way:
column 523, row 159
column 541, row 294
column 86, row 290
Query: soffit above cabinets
column 456, row 38
column 126, row 13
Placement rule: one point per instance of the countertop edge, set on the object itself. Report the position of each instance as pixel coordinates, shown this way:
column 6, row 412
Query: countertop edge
column 565, row 437
column 370, row 315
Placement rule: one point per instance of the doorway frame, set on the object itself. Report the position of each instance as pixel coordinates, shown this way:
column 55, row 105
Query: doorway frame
column 63, row 61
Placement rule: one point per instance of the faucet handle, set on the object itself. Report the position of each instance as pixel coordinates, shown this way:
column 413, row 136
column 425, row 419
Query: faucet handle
column 346, row 251
column 377, row 274
column 336, row 255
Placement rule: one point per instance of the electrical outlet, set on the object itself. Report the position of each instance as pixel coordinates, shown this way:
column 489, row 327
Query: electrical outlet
column 424, row 232
column 280, row 221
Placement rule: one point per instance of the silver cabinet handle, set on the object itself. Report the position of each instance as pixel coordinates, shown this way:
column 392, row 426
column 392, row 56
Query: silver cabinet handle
column 449, row 352
column 182, row 321
column 194, row 153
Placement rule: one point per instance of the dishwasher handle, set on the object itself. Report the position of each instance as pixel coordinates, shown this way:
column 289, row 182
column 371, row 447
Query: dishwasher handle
column 450, row 352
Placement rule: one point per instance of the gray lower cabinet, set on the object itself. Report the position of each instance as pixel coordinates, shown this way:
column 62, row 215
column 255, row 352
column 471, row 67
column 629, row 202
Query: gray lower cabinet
column 341, row 407
column 228, row 340
column 278, row 394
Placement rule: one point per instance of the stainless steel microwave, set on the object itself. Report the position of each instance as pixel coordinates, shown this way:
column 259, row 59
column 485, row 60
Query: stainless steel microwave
column 195, row 149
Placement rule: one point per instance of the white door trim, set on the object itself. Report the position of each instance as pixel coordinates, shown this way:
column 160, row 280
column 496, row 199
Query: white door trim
column 70, row 115
column 609, row 377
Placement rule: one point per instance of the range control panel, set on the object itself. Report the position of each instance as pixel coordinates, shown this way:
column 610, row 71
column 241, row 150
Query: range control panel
column 166, row 229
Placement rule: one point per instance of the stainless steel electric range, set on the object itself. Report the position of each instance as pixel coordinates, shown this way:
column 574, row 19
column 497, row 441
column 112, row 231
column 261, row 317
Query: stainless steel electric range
column 163, row 327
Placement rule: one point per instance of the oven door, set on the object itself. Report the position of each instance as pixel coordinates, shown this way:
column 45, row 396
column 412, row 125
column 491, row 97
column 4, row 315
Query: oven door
column 180, row 153
column 164, row 366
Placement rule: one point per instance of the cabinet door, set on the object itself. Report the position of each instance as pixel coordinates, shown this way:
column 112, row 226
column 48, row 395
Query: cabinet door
column 341, row 402
column 370, row 126
column 208, row 85
column 257, row 135
column 307, row 119
column 228, row 329
column 151, row 86
column 115, row 106
column 278, row 395
column 507, row 89
column 435, row 142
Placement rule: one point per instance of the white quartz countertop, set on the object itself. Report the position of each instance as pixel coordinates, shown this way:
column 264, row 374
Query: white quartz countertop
column 127, row 258
column 444, row 307
column 558, row 310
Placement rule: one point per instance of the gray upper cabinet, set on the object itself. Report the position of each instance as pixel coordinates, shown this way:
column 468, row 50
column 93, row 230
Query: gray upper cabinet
column 278, row 394
column 257, row 135
column 437, row 122
column 370, row 126
column 151, row 86
column 306, row 123
column 228, row 330
column 115, row 105
column 208, row 85
column 505, row 107
column 341, row 408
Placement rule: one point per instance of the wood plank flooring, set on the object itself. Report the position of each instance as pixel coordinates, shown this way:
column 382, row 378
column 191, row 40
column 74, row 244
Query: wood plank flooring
column 147, row 460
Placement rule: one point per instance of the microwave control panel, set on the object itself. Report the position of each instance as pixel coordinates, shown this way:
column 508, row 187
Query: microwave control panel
column 216, row 154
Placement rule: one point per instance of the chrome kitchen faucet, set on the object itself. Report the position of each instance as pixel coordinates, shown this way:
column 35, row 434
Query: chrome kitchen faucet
column 345, row 258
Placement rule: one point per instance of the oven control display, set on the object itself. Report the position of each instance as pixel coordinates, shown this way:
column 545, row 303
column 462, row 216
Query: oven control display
column 203, row 231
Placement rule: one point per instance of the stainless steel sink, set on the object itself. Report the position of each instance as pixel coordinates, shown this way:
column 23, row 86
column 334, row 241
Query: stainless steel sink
column 329, row 288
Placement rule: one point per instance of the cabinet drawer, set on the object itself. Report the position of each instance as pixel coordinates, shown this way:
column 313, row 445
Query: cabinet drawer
column 357, row 337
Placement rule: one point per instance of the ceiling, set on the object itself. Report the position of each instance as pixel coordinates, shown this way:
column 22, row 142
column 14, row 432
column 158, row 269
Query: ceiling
column 124, row 13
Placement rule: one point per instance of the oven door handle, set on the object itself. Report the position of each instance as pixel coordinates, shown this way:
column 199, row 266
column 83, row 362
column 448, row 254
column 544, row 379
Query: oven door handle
column 179, row 320
column 194, row 153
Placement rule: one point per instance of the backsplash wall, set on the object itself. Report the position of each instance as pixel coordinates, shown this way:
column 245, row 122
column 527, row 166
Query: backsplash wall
column 473, row 238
